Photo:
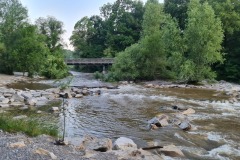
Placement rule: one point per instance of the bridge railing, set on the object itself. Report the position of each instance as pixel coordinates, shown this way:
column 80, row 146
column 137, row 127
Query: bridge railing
column 90, row 61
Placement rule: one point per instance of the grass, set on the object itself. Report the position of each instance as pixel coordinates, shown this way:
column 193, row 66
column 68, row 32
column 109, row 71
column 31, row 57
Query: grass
column 34, row 125
column 31, row 127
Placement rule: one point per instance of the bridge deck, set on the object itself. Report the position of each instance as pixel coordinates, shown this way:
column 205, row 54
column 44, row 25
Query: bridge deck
column 89, row 61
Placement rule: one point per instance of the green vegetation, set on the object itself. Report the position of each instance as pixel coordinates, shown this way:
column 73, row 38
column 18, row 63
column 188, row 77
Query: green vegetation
column 34, row 124
column 31, row 127
column 36, row 49
column 188, row 40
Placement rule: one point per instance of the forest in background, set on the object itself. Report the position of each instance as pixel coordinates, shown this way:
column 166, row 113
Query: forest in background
column 186, row 40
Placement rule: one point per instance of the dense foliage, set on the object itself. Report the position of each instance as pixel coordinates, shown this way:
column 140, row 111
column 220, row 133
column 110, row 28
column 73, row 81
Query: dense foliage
column 24, row 47
column 118, row 27
column 229, row 13
column 166, row 51
column 186, row 40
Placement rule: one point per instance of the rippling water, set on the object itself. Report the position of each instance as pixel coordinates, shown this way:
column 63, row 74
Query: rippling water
column 125, row 112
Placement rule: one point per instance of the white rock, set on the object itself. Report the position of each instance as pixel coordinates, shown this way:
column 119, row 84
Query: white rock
column 18, row 98
column 17, row 104
column 124, row 143
column 20, row 117
column 2, row 105
column 4, row 100
column 31, row 101
column 17, row 145
column 172, row 151
column 78, row 96
column 188, row 111
column 26, row 95
column 45, row 152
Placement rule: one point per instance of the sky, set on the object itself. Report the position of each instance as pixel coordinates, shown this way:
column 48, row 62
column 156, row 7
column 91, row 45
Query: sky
column 67, row 11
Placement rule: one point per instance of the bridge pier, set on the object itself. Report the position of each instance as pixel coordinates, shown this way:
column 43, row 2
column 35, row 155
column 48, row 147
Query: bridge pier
column 104, row 70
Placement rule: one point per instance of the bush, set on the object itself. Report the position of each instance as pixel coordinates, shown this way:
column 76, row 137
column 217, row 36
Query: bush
column 55, row 68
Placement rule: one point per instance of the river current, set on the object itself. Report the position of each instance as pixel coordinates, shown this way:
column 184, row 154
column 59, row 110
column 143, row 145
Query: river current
column 125, row 112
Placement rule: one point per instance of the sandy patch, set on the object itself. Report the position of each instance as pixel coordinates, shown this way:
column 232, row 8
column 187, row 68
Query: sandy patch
column 7, row 79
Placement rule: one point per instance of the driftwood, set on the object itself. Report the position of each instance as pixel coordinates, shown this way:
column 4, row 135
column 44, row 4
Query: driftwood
column 153, row 147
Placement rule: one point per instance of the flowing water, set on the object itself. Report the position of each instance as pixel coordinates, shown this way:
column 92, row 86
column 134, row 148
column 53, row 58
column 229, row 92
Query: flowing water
column 125, row 112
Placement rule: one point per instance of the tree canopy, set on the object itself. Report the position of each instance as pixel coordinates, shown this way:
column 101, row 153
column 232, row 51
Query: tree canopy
column 25, row 47
column 187, row 40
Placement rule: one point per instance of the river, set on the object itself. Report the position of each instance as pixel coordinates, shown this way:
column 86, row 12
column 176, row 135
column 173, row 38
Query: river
column 125, row 112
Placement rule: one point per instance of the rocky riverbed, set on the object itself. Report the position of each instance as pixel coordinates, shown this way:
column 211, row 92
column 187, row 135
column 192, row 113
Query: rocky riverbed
column 20, row 146
column 42, row 147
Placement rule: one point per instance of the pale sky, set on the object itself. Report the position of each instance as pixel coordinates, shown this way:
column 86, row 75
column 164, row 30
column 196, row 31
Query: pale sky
column 67, row 11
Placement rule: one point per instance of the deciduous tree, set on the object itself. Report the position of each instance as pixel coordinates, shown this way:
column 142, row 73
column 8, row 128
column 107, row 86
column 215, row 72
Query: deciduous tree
column 203, row 38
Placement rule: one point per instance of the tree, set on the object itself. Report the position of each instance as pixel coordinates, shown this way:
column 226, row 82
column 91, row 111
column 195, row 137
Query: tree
column 147, row 59
column 203, row 38
column 229, row 13
column 178, row 10
column 29, row 53
column 88, row 37
column 52, row 29
column 123, row 21
column 12, row 16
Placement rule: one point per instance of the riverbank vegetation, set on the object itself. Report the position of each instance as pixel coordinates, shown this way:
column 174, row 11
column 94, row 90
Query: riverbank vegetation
column 187, row 40
column 33, row 48
column 31, row 126
column 30, row 122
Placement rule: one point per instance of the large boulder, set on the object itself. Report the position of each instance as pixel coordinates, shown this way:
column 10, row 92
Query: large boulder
column 4, row 100
column 3, row 105
column 93, row 143
column 31, row 101
column 7, row 91
column 124, row 143
column 18, row 98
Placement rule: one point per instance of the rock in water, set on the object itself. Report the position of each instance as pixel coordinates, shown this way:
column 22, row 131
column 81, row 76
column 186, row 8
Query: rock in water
column 185, row 125
column 188, row 111
column 172, row 151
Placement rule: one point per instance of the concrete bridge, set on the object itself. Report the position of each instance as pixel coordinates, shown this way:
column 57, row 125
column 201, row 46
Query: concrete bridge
column 90, row 61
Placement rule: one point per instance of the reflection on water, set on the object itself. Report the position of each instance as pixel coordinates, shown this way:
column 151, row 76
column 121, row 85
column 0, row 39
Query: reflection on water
column 125, row 112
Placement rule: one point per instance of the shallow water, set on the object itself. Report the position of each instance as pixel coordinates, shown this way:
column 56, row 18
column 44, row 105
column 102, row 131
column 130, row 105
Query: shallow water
column 29, row 85
column 125, row 112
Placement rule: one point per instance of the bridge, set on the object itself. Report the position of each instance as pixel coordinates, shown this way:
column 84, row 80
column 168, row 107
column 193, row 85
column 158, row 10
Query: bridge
column 90, row 61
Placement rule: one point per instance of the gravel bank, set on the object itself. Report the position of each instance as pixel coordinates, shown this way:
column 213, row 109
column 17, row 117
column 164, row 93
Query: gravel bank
column 41, row 147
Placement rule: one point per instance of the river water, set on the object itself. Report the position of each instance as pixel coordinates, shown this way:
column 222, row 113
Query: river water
column 126, row 110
